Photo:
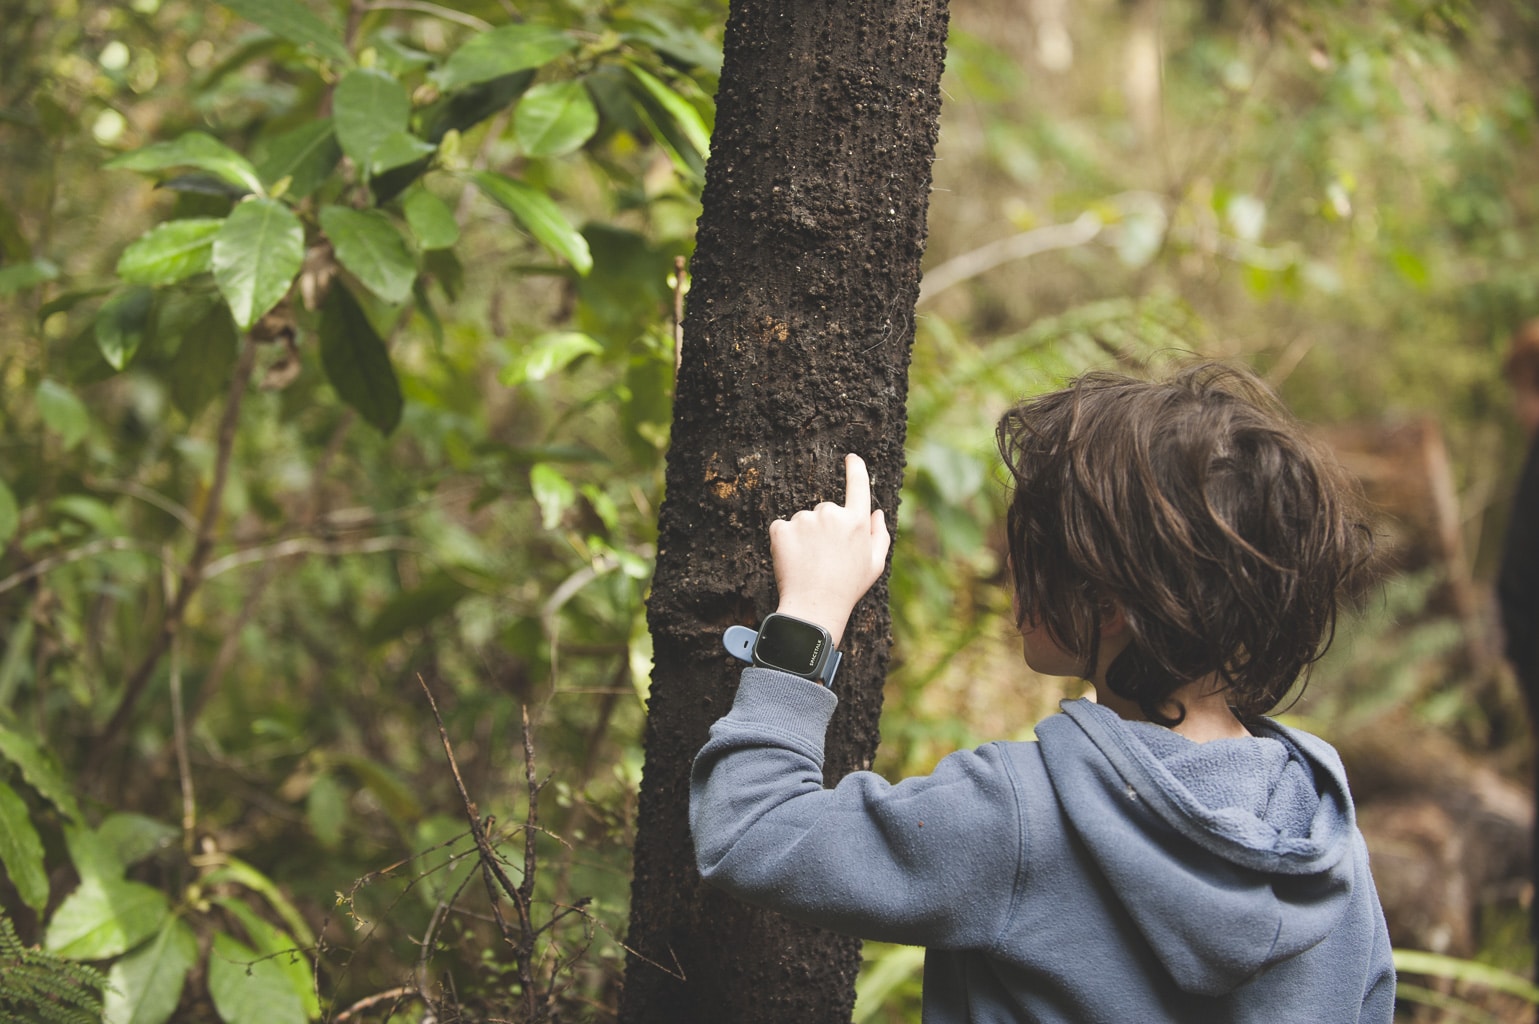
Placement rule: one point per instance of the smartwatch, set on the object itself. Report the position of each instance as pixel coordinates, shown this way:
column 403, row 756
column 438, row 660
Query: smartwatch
column 786, row 643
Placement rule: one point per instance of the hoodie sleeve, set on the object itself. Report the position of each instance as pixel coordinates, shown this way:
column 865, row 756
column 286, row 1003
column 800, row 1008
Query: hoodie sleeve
column 930, row 861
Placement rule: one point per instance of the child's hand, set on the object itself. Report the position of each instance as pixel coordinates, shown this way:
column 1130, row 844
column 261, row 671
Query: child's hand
column 826, row 558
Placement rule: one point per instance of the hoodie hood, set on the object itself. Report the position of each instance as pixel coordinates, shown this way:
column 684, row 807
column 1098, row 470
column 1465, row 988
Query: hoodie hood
column 1230, row 856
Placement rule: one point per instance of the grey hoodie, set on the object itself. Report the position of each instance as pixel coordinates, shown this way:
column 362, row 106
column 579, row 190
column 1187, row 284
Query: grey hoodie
column 1111, row 872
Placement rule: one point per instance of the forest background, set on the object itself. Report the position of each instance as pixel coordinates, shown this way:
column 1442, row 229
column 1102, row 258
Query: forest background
column 337, row 345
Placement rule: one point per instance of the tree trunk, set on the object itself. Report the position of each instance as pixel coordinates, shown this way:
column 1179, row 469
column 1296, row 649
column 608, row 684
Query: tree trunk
column 796, row 351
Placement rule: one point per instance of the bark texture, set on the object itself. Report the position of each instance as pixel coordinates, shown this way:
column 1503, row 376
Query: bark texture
column 796, row 350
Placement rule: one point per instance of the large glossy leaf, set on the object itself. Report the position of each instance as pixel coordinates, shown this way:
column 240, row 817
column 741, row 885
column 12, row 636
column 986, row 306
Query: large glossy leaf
column 369, row 106
column 502, row 51
column 257, row 255
column 554, row 118
column 305, row 156
column 171, row 252
column 249, row 988
column 21, row 851
column 430, row 219
column 679, row 109
column 38, row 770
column 123, row 324
column 145, row 986
column 356, row 362
column 537, row 212
column 399, row 150
column 291, row 20
column 195, row 149
column 367, row 244
column 104, row 918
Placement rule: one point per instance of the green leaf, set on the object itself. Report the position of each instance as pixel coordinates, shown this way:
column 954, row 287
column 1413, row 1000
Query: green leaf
column 540, row 215
column 248, row 988
column 368, row 107
column 681, row 110
column 257, row 255
column 170, row 252
column 21, row 276
column 368, row 244
column 241, row 873
column 145, row 986
column 63, row 412
column 447, row 856
column 105, row 918
column 326, row 810
column 305, row 155
column 430, row 219
column 502, row 51
column 122, row 324
column 549, row 353
column 271, row 941
column 94, row 860
column 1415, row 961
column 411, row 609
column 195, row 149
column 133, row 837
column 10, row 515
column 553, row 493
column 38, row 770
column 554, row 118
column 290, row 20
column 204, row 361
column 21, row 851
column 356, row 362
column 397, row 150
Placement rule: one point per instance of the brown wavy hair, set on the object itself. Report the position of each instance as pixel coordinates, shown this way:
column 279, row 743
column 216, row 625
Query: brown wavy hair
column 1200, row 507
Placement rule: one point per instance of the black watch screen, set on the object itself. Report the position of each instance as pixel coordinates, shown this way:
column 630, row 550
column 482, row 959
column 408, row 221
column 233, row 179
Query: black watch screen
column 792, row 645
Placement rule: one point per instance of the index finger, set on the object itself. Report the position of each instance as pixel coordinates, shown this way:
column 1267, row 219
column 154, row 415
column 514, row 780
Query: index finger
column 857, row 485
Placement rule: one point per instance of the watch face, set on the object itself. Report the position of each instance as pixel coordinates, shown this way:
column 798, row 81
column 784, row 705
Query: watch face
column 790, row 645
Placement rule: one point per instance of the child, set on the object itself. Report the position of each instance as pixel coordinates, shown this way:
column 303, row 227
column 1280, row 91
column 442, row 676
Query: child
column 1162, row 854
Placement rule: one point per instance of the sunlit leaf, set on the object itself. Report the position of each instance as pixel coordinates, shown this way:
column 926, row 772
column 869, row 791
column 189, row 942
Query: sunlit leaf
column 21, row 851
column 369, row 106
column 104, row 918
column 281, row 950
column 132, row 837
column 291, row 20
column 553, row 493
column 554, row 118
column 241, row 873
column 195, row 149
column 398, row 149
column 356, row 362
column 145, row 986
column 257, row 255
column 367, row 244
column 171, row 252
column 430, row 219
column 679, row 109
column 500, row 52
column 549, row 353
column 537, row 212
column 63, row 412
column 123, row 324
column 249, row 988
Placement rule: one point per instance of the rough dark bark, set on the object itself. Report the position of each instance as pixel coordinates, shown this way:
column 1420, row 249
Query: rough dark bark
column 796, row 350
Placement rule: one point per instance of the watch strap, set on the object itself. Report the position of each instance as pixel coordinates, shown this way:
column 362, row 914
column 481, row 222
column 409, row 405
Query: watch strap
column 738, row 640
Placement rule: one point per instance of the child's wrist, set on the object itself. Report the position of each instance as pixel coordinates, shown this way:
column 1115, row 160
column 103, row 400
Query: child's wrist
column 817, row 612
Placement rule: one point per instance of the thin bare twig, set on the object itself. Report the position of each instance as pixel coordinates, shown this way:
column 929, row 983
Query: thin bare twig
column 191, row 576
column 43, row 566
column 369, row 1002
column 418, row 6
column 308, row 546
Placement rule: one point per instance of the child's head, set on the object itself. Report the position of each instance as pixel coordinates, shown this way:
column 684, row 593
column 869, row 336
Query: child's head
column 1198, row 507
